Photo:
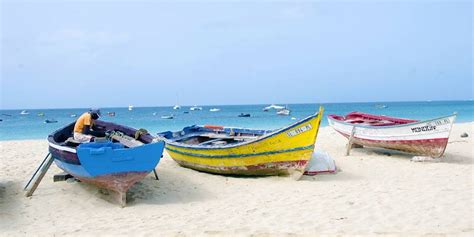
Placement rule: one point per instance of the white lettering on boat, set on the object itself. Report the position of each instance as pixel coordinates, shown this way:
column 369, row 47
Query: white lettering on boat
column 299, row 130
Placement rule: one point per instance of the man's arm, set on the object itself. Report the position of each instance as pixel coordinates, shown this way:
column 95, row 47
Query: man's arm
column 89, row 131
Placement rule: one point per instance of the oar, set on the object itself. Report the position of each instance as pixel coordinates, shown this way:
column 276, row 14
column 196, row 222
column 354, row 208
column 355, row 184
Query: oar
column 39, row 167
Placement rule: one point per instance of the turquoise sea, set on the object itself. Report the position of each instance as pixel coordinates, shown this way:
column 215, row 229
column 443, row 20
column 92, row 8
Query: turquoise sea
column 15, row 126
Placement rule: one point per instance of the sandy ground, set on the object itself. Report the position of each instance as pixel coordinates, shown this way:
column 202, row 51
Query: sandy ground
column 375, row 192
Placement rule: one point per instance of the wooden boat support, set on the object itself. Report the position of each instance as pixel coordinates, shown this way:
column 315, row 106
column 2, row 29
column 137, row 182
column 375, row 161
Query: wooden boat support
column 351, row 139
column 351, row 144
column 429, row 137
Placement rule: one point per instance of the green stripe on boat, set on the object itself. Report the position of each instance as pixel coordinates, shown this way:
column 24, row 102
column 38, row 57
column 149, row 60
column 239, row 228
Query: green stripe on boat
column 241, row 155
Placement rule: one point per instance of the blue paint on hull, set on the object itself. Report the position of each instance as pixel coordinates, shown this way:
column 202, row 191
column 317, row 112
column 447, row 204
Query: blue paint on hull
column 104, row 159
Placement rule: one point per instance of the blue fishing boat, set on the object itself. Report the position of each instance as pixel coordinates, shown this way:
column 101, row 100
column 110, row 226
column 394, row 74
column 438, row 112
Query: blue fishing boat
column 117, row 163
column 50, row 121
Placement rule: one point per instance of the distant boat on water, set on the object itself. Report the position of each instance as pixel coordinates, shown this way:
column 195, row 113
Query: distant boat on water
column 24, row 112
column 41, row 114
column 273, row 106
column 195, row 108
column 130, row 107
column 177, row 106
column 242, row 115
column 111, row 114
column 215, row 110
column 381, row 106
column 73, row 115
column 50, row 121
column 167, row 117
column 284, row 112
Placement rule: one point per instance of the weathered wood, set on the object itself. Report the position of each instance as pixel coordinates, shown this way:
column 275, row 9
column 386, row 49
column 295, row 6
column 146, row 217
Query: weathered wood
column 123, row 199
column 34, row 174
column 43, row 171
column 349, row 143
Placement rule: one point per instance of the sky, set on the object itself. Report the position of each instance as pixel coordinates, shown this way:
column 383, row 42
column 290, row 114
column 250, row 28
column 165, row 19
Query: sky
column 79, row 54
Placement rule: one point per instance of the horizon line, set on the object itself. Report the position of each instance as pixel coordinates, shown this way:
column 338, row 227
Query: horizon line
column 187, row 105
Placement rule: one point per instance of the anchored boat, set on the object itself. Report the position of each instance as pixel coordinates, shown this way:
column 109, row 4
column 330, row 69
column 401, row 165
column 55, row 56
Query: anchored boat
column 116, row 164
column 429, row 137
column 239, row 151
column 284, row 112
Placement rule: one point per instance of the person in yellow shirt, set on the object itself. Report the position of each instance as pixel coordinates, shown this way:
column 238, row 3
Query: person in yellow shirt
column 84, row 128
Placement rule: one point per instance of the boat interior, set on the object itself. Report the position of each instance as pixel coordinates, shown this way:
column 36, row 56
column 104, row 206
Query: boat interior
column 121, row 134
column 210, row 135
column 371, row 120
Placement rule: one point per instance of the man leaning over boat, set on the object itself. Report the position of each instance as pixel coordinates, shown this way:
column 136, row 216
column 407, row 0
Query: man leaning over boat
column 85, row 129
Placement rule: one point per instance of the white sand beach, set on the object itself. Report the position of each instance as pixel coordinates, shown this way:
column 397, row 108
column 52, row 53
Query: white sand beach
column 376, row 192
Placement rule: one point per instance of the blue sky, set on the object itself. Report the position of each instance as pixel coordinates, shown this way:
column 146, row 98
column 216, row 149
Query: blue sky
column 104, row 54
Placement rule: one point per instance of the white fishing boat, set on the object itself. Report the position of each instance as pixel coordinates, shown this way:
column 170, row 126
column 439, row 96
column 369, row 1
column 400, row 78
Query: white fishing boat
column 273, row 106
column 24, row 112
column 381, row 106
column 195, row 108
column 176, row 107
column 167, row 117
column 284, row 112
column 215, row 110
column 130, row 107
column 428, row 137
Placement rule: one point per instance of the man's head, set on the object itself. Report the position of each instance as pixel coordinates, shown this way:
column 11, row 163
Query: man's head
column 95, row 113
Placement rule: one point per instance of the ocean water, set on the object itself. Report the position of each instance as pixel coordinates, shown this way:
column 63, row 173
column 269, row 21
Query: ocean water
column 32, row 126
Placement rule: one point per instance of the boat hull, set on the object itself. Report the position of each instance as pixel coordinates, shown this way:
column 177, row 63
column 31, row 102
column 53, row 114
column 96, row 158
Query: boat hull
column 287, row 163
column 116, row 171
column 428, row 137
column 107, row 165
column 118, row 182
column 283, row 152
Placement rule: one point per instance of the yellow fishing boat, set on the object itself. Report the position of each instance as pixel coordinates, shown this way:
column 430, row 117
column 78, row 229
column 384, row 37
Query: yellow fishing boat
column 239, row 151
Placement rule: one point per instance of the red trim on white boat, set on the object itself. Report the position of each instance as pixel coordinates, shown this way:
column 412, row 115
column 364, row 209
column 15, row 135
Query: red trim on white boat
column 393, row 141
